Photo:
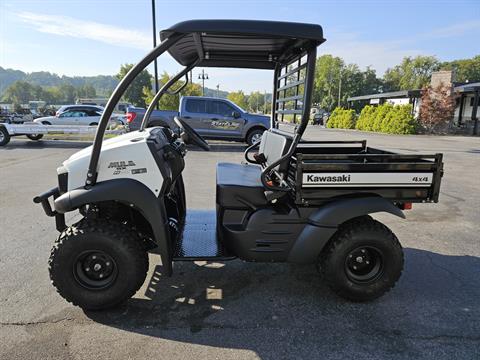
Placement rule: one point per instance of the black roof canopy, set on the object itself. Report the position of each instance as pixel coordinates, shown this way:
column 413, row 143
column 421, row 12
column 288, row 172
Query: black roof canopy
column 241, row 43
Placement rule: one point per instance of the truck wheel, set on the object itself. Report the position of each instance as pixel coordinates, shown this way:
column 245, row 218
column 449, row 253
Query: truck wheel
column 35, row 136
column 363, row 261
column 254, row 136
column 98, row 264
column 4, row 136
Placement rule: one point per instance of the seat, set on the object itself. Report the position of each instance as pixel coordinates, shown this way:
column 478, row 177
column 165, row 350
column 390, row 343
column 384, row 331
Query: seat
column 239, row 186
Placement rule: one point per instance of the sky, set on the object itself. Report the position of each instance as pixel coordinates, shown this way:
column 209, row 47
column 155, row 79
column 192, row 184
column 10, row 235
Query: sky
column 93, row 37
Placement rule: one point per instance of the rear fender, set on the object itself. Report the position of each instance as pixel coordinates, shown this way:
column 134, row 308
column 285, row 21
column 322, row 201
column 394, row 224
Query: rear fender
column 132, row 193
column 324, row 222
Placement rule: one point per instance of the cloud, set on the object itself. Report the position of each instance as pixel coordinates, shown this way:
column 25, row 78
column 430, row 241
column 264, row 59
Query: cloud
column 380, row 55
column 68, row 26
column 454, row 30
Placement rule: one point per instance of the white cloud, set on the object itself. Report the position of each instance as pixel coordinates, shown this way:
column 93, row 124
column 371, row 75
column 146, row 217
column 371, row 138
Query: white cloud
column 454, row 30
column 68, row 26
column 377, row 54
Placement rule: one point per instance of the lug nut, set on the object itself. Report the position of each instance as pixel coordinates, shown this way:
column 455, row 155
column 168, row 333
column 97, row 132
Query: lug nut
column 354, row 267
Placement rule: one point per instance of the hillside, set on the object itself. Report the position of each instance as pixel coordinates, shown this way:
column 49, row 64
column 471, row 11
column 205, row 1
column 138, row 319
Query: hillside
column 103, row 84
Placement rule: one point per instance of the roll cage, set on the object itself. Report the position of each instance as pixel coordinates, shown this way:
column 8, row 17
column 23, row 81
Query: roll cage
column 289, row 49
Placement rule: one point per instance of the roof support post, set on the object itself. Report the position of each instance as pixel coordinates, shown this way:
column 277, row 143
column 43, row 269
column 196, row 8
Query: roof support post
column 164, row 90
column 460, row 111
column 115, row 98
column 474, row 111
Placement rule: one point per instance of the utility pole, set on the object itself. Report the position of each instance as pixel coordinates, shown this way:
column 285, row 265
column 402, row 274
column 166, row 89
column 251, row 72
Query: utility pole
column 340, row 88
column 203, row 76
column 218, row 90
column 155, row 45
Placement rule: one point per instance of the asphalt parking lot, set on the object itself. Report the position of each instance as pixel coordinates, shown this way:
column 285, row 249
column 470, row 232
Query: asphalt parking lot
column 239, row 310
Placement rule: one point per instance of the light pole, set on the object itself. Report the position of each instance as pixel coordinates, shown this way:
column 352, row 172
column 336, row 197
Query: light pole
column 154, row 27
column 203, row 76
column 218, row 90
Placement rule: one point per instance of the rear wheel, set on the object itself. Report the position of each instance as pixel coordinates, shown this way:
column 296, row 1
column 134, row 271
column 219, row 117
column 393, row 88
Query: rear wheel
column 98, row 264
column 46, row 123
column 254, row 136
column 35, row 136
column 93, row 124
column 363, row 261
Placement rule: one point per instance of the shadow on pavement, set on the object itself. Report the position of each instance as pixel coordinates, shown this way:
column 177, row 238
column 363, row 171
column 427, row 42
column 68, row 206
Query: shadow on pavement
column 44, row 144
column 277, row 309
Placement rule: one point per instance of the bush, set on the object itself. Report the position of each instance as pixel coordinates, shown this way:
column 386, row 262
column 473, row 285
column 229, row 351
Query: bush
column 342, row 119
column 388, row 119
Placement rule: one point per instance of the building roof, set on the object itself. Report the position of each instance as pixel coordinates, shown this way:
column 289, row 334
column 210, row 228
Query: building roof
column 241, row 43
column 466, row 88
column 389, row 95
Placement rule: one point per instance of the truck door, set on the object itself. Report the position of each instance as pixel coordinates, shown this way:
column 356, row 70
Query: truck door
column 194, row 112
column 224, row 119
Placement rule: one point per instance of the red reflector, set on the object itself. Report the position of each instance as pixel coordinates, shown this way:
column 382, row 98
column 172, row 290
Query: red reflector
column 406, row 206
column 131, row 116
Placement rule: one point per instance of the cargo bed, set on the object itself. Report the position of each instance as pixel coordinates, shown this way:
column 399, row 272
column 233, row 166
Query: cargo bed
column 322, row 170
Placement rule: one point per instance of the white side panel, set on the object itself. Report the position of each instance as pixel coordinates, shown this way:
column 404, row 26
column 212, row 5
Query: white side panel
column 367, row 179
column 120, row 158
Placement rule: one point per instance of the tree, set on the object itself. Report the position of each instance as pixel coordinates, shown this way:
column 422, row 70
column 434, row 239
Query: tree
column 172, row 102
column 134, row 93
column 465, row 69
column 86, row 91
column 437, row 108
column 20, row 92
column 256, row 101
column 412, row 73
column 327, row 80
column 239, row 98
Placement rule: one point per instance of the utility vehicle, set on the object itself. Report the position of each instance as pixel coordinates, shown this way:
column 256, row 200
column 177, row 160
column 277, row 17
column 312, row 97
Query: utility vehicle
column 292, row 201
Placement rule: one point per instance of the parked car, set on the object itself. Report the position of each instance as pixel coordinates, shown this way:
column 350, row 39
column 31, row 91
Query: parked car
column 79, row 116
column 77, row 107
column 212, row 118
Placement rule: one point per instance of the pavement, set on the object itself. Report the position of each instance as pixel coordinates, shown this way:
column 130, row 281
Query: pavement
column 238, row 310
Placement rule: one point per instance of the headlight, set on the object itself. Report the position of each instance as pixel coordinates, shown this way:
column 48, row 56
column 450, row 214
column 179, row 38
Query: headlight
column 62, row 179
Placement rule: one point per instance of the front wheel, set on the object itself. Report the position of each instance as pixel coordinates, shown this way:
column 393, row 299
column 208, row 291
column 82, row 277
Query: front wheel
column 98, row 264
column 363, row 261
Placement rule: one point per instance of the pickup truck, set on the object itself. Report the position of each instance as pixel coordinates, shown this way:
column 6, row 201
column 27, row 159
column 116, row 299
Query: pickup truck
column 212, row 118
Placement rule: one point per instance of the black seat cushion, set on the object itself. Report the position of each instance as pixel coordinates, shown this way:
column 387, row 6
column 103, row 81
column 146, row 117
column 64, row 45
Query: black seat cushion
column 239, row 185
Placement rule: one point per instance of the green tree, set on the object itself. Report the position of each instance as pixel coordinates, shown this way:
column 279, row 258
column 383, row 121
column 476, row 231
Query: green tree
column 239, row 98
column 134, row 93
column 86, row 91
column 256, row 101
column 465, row 69
column 411, row 73
column 69, row 93
column 20, row 92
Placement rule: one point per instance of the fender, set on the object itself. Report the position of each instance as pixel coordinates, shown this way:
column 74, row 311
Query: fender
column 132, row 193
column 324, row 222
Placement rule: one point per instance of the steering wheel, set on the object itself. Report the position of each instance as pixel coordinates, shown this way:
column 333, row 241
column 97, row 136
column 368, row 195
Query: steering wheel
column 189, row 135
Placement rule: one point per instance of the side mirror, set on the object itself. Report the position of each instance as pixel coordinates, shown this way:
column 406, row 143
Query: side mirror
column 235, row 114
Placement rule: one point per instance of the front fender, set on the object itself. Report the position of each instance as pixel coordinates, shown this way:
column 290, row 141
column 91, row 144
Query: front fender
column 324, row 222
column 130, row 192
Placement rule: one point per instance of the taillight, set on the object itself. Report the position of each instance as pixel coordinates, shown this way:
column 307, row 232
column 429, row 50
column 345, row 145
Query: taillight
column 406, row 206
column 131, row 116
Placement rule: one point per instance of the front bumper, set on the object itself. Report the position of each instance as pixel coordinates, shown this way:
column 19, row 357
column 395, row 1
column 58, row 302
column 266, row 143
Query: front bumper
column 44, row 200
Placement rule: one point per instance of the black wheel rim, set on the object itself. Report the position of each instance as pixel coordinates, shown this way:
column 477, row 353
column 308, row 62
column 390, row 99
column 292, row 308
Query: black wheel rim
column 364, row 264
column 95, row 270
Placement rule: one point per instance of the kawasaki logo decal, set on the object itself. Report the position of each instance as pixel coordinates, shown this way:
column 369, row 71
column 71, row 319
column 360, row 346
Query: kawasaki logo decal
column 329, row 179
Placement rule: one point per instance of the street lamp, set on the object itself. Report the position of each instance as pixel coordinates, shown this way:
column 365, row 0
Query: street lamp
column 203, row 76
